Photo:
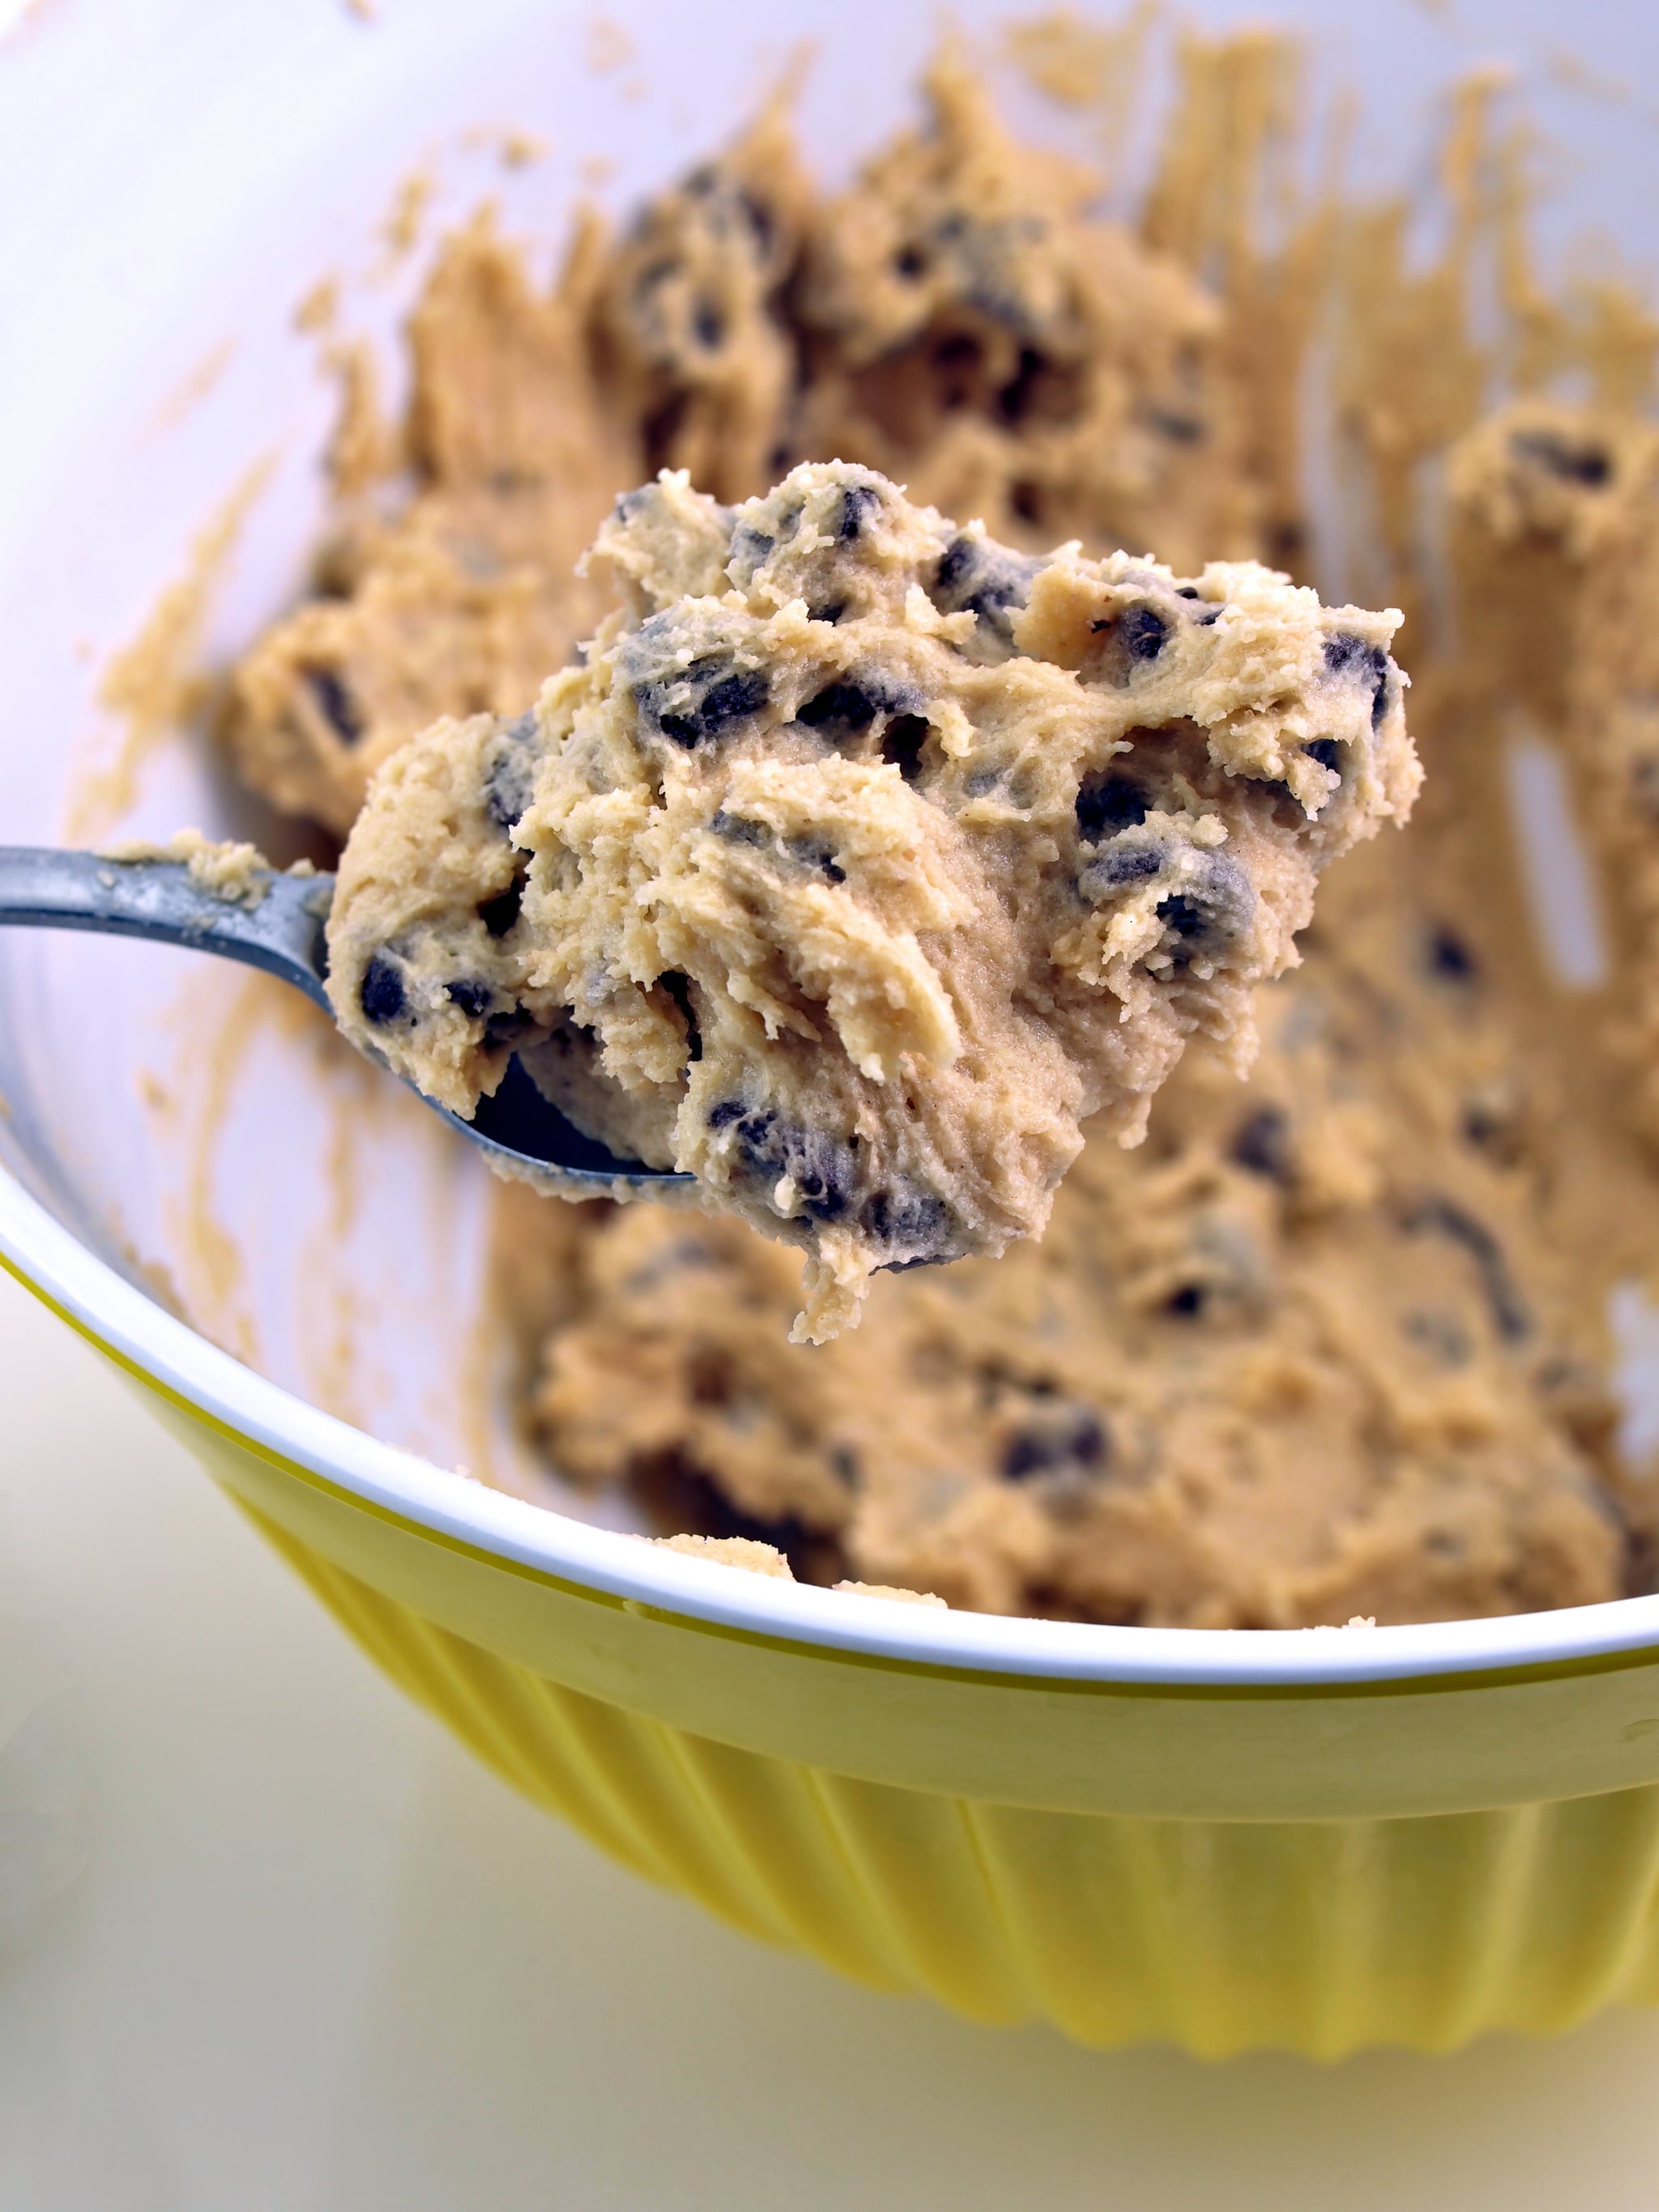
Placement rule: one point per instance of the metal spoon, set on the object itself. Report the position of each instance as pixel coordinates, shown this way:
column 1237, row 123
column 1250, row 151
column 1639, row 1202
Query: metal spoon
column 41, row 887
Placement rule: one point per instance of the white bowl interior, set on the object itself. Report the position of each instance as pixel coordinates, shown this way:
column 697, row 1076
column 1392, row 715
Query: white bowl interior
column 183, row 1119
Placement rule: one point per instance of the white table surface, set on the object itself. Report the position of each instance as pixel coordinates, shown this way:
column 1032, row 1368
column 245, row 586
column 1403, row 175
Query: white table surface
column 318, row 1961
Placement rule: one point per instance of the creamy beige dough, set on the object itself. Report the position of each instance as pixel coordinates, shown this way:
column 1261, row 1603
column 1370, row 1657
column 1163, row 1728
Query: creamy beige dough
column 1332, row 1344
column 865, row 857
column 1316, row 1350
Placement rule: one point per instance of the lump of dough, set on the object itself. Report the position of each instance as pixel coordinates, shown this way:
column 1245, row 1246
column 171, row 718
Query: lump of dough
column 863, row 858
column 974, row 330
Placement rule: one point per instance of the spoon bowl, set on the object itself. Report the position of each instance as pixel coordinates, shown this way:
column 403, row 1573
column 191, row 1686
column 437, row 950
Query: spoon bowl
column 277, row 921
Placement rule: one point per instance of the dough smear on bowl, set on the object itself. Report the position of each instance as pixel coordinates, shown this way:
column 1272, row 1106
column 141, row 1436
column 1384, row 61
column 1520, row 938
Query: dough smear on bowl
column 862, row 857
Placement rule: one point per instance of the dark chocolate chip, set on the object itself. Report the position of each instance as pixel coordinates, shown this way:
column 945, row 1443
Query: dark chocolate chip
column 1449, row 956
column 728, row 701
column 1211, row 911
column 761, row 219
column 1328, row 752
column 1585, row 464
column 1144, row 631
column 842, row 710
column 339, row 709
column 738, row 829
column 499, row 913
column 910, row 261
column 1187, row 592
column 1074, row 1436
column 822, row 1168
column 858, row 503
column 1107, row 804
column 510, row 778
column 472, row 994
column 1138, row 634
column 381, row 993
column 1116, row 868
column 751, row 547
column 901, row 743
column 1262, row 1143
column 1348, row 655
column 709, row 324
column 987, row 581
column 909, row 1220
column 815, row 852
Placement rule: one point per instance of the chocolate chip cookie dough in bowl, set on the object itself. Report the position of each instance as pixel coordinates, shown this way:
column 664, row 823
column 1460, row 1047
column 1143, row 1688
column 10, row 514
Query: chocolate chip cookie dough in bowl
column 1224, row 1836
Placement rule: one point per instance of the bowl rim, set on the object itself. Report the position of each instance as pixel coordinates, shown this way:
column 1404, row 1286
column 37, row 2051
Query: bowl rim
column 152, row 1345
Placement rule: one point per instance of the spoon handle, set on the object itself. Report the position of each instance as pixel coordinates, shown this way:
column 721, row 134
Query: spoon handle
column 280, row 930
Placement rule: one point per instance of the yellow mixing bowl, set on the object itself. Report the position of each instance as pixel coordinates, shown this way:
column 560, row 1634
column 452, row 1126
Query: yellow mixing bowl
column 1315, row 1841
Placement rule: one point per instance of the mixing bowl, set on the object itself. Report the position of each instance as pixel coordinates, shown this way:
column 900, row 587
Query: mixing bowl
column 1311, row 1840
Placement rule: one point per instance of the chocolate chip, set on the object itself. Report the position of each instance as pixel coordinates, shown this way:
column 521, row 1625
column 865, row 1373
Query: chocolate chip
column 709, row 325
column 1187, row 592
column 858, row 503
column 510, row 778
column 1212, row 912
column 901, row 743
column 381, row 993
column 986, row 581
column 728, row 699
column 840, row 711
column 339, row 709
column 1187, row 1303
column 1449, row 956
column 738, row 829
column 1107, row 804
column 910, row 1220
column 1328, row 752
column 910, row 261
column 750, row 547
column 1348, row 655
column 760, row 218
column 1117, row 868
column 1144, row 631
column 1262, row 1143
column 472, row 994
column 1585, row 464
column 1128, row 639
column 499, row 913
column 814, row 853
column 821, row 1167
column 1071, row 1436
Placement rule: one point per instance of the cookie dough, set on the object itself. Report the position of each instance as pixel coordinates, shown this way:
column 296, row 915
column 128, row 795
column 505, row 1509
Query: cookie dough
column 866, row 857
column 1318, row 1349
column 461, row 602
column 972, row 329
column 959, row 320
column 1334, row 1344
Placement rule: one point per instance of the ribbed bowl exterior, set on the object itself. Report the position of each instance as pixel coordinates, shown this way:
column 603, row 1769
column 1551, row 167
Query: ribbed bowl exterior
column 1220, row 1937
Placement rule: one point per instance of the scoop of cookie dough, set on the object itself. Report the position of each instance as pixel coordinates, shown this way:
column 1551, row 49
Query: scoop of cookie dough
column 863, row 858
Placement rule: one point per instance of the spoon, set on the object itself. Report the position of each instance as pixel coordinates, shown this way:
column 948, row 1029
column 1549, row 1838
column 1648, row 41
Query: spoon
column 282, row 933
